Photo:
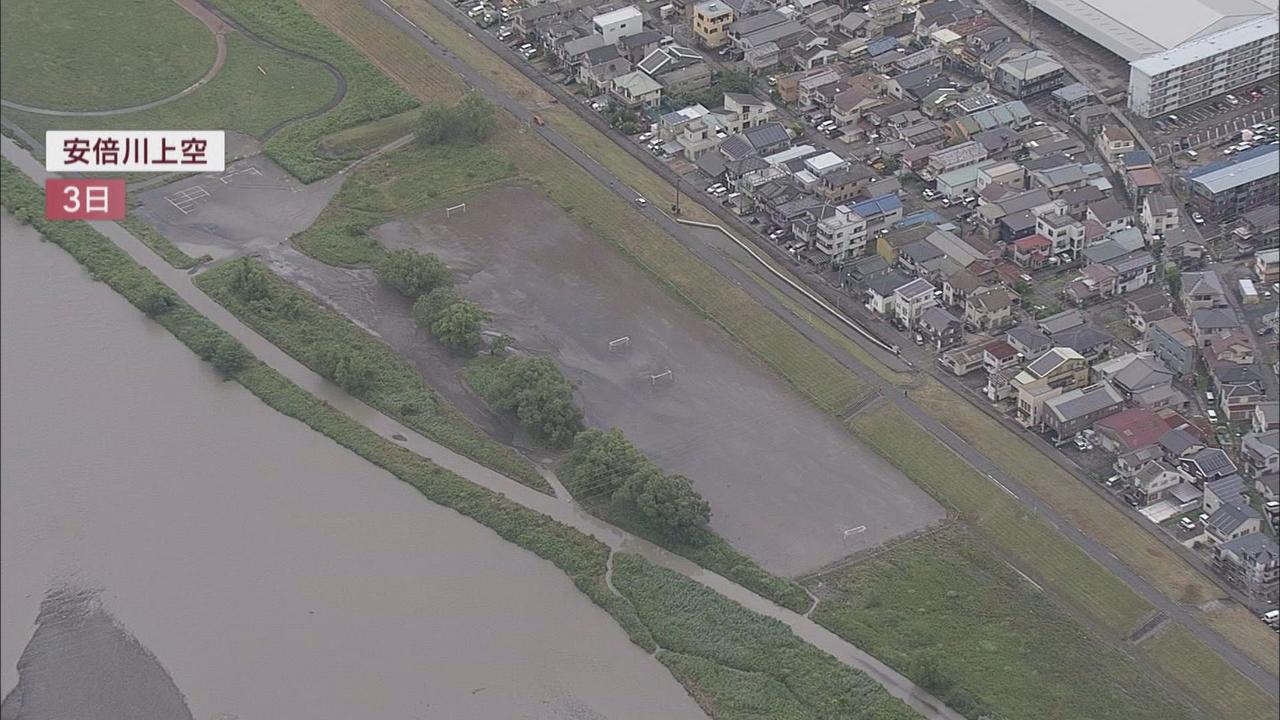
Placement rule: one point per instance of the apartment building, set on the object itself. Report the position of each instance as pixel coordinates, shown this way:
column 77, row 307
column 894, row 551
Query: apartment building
column 711, row 21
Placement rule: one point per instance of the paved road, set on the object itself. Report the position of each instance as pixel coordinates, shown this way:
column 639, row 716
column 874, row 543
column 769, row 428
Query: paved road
column 712, row 247
column 558, row 508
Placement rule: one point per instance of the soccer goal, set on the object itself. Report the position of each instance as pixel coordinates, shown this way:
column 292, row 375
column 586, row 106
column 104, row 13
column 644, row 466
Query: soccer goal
column 459, row 209
column 663, row 378
column 620, row 344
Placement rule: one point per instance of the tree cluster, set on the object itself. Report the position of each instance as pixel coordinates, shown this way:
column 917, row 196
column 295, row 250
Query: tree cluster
column 455, row 322
column 731, row 81
column 472, row 120
column 606, row 465
column 539, row 395
column 411, row 273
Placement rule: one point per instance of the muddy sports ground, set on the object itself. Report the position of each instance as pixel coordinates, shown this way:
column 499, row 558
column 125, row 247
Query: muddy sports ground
column 786, row 484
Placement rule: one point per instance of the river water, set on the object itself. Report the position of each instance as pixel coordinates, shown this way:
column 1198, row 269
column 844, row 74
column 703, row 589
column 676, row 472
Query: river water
column 197, row 554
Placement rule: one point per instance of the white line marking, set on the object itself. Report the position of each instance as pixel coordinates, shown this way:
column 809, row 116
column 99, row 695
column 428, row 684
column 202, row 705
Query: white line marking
column 1002, row 486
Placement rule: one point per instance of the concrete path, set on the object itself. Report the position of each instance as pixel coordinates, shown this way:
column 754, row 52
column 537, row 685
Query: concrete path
column 182, row 283
column 201, row 13
column 712, row 247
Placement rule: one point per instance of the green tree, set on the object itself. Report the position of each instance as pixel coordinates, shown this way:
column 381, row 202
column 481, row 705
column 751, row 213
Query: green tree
column 500, row 344
column 354, row 373
column 228, row 355
column 669, row 501
column 602, row 463
column 458, row 326
column 429, row 306
column 540, row 396
column 156, row 301
column 475, row 118
column 435, row 125
column 249, row 280
column 411, row 273
column 1173, row 278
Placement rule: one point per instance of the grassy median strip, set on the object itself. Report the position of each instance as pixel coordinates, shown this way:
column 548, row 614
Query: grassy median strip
column 688, row 618
column 1136, row 547
column 370, row 93
column 309, row 331
column 1224, row 693
column 948, row 613
column 689, row 614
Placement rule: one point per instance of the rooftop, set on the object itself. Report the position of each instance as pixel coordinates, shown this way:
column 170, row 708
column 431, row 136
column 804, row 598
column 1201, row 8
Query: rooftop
column 1246, row 167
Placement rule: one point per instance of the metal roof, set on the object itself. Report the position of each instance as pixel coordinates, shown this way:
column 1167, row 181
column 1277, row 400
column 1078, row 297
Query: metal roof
column 1080, row 402
column 1136, row 28
column 1247, row 167
column 1218, row 41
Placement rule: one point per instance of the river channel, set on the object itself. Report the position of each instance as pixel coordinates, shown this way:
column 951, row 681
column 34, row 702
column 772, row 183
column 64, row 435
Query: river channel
column 171, row 547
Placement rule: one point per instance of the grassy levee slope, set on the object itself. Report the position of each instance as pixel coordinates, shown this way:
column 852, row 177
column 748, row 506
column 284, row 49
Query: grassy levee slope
column 93, row 55
column 1042, row 552
column 688, row 618
column 239, row 98
column 1136, row 547
column 370, row 94
column 162, row 245
column 1224, row 693
column 309, row 331
column 714, row 631
column 946, row 611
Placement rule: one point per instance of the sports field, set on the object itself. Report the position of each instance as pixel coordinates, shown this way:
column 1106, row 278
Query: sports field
column 94, row 55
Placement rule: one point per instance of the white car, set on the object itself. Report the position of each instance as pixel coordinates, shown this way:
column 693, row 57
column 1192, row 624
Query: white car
column 641, row 201
column 1197, row 218
column 645, row 137
column 1233, row 99
column 1187, row 523
column 1213, row 416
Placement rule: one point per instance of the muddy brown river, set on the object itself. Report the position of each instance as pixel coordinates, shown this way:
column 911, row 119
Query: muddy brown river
column 171, row 547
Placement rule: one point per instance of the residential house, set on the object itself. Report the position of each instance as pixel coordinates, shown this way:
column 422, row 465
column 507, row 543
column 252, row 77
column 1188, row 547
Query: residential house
column 1064, row 232
column 881, row 291
column 677, row 69
column 1032, row 252
column 637, row 47
column 1231, row 521
column 964, row 360
column 615, row 25
column 1206, row 464
column 1184, row 246
column 1250, row 562
column 1174, row 344
column 1134, row 374
column 1110, row 214
column 1153, row 481
column 846, row 183
column 841, row 235
column 1030, row 74
column 1028, row 341
column 601, row 65
column 1114, row 141
column 1140, row 182
column 1130, row 430
column 1266, row 416
column 911, row 300
column 940, row 329
column 1260, row 453
column 1134, row 271
column 1266, row 265
column 1147, row 306
column 1208, row 323
column 1159, row 214
column 1000, row 355
column 1075, row 410
column 862, row 270
column 1233, row 347
column 1057, row 371
column 635, row 89
column 1260, row 225
column 1058, row 322
column 1240, row 388
column 711, row 21
column 952, row 158
column 1095, row 282
column 1202, row 290
column 1222, row 490
column 1090, row 342
column 988, row 309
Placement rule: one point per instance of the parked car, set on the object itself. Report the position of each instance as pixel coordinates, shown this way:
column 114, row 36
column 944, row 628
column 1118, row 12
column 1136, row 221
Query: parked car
column 1213, row 416
column 1233, row 99
column 1197, row 218
column 1187, row 523
column 644, row 137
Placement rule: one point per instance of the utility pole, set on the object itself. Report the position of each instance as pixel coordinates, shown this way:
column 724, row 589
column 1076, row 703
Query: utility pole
column 676, row 208
column 1031, row 23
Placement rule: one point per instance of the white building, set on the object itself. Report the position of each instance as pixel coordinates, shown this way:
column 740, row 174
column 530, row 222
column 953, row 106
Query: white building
column 841, row 235
column 911, row 300
column 1208, row 66
column 613, row 26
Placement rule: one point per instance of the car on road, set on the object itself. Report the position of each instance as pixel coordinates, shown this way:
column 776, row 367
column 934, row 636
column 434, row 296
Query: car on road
column 1213, row 416
column 641, row 201
column 1197, row 218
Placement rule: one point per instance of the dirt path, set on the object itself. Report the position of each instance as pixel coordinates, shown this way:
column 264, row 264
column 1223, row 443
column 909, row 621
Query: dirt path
column 211, row 20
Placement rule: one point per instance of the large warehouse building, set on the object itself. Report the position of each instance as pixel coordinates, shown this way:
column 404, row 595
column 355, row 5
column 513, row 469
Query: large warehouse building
column 1179, row 51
